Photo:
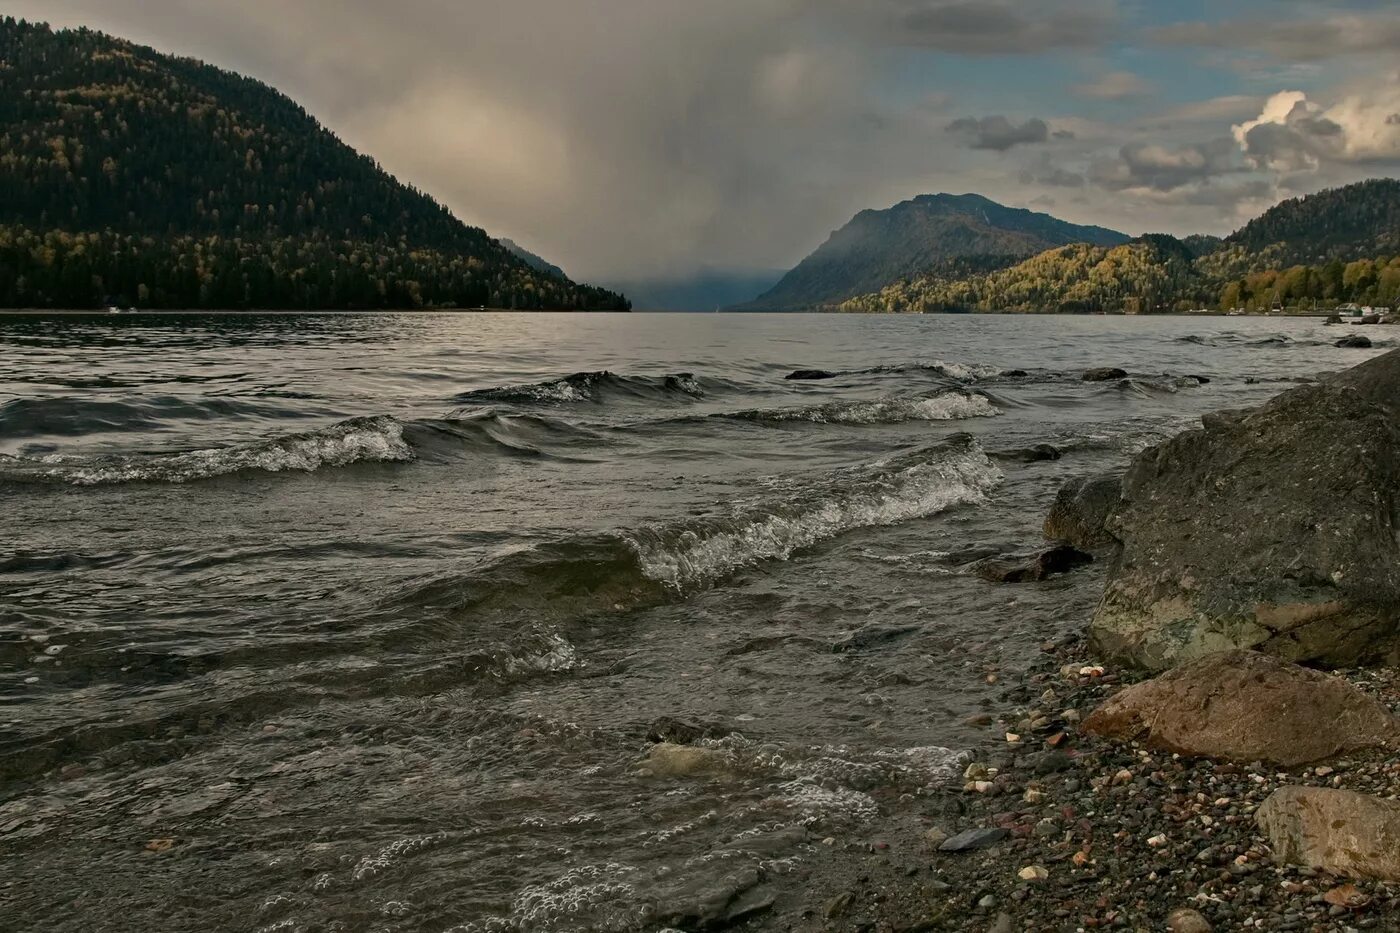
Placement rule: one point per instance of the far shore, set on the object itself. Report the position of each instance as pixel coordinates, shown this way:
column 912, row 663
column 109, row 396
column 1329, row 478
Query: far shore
column 38, row 312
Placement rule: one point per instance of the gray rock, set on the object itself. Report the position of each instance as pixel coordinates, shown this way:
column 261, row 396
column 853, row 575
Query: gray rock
column 1355, row 342
column 811, row 375
column 1034, row 567
column 873, row 636
column 1273, row 529
column 973, row 839
column 1036, row 454
column 1081, row 510
column 1104, row 374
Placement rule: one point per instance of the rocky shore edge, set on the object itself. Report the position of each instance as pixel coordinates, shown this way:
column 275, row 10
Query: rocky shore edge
column 1173, row 768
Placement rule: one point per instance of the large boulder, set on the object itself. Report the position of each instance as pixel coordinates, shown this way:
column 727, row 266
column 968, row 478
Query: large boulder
column 1336, row 831
column 1272, row 528
column 1080, row 513
column 1244, row 706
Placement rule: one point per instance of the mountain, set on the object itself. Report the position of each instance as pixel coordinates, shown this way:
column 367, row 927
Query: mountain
column 533, row 261
column 707, row 290
column 1136, row 276
column 878, row 248
column 1341, row 223
column 1319, row 251
column 131, row 176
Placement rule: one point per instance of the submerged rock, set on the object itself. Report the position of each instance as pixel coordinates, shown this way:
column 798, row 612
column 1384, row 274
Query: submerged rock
column 1273, row 528
column 1046, row 563
column 673, row 761
column 1355, row 342
column 1104, row 374
column 1080, row 513
column 1244, row 706
column 679, row 732
column 1337, row 831
column 872, row 636
column 1037, row 454
column 811, row 375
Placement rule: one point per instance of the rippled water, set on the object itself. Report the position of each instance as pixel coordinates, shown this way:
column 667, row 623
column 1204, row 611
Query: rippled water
column 359, row 622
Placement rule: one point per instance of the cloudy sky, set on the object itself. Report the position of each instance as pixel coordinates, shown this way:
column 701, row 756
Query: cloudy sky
column 629, row 139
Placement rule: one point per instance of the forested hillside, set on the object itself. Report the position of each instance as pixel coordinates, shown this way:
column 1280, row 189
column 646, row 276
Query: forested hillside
column 878, row 248
column 1335, row 247
column 134, row 177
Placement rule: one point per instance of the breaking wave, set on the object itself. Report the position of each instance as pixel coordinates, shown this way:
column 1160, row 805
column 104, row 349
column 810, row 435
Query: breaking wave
column 658, row 562
column 597, row 387
column 374, row 439
column 950, row 406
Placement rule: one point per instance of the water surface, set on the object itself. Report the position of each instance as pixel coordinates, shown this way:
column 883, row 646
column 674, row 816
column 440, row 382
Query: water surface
column 363, row 619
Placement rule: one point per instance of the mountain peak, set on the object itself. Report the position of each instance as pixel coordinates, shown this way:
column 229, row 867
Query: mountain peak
column 880, row 247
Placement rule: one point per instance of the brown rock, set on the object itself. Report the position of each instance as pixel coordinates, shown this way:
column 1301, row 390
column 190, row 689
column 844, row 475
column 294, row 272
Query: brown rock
column 1337, row 831
column 1245, row 706
column 1033, row 568
column 668, row 760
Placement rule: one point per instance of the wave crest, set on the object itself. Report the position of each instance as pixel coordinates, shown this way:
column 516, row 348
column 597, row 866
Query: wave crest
column 373, row 439
column 950, row 406
column 595, row 387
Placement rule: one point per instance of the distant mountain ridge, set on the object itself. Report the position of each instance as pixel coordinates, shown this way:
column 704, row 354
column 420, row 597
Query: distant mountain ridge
column 880, row 247
column 134, row 177
column 1337, row 246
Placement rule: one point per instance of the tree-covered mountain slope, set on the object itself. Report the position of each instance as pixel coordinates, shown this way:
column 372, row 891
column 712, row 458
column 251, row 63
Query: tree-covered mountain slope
column 131, row 176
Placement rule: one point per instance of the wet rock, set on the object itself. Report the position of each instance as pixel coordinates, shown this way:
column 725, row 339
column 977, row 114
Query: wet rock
column 1271, row 529
column 1037, row 454
column 811, row 375
column 1104, row 374
column 679, row 732
column 1046, row 563
column 973, row 839
column 1014, row 374
column 1186, row 920
column 1355, row 342
column 669, row 760
column 1337, row 831
column 1333, row 319
column 1081, row 510
column 710, row 903
column 1244, row 706
column 873, row 636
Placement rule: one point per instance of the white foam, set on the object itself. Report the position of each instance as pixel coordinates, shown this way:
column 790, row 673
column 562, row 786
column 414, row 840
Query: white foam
column 885, row 493
column 951, row 406
column 378, row 439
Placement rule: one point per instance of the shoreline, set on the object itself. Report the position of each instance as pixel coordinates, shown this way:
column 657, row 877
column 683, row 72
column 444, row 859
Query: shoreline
column 1072, row 832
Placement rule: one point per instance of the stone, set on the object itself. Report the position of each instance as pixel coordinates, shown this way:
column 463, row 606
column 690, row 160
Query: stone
column 973, row 839
column 935, row 837
column 1039, row 453
column 1032, row 568
column 1080, row 513
column 874, row 636
column 1104, row 374
column 1273, row 528
column 1244, row 706
column 811, row 375
column 678, row 732
column 1338, row 831
column 1186, row 920
column 1033, row 873
column 1355, row 342
column 670, row 760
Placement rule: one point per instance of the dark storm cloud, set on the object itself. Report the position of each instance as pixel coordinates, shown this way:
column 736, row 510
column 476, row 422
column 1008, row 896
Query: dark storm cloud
column 1292, row 39
column 1162, row 168
column 998, row 133
column 997, row 27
